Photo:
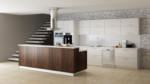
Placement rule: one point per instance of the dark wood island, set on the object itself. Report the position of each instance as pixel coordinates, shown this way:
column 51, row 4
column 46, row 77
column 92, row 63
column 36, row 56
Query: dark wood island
column 59, row 60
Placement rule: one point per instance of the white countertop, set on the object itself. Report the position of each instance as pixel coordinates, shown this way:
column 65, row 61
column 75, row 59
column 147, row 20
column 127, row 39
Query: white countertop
column 106, row 47
column 71, row 47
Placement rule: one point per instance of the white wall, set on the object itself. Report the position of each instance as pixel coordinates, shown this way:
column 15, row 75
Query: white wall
column 15, row 29
column 91, row 40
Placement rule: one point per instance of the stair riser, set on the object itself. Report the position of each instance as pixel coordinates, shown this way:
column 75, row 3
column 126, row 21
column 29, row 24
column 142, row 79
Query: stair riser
column 37, row 38
column 34, row 42
column 40, row 35
column 13, row 59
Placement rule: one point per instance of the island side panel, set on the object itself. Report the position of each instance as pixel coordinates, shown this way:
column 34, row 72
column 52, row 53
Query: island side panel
column 22, row 55
column 65, row 60
column 30, row 57
column 49, row 58
column 40, row 58
column 57, row 59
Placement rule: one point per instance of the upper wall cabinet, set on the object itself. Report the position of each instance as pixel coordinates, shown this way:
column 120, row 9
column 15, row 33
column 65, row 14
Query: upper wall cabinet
column 60, row 24
column 83, row 24
column 112, row 23
column 97, row 23
column 65, row 26
column 130, row 22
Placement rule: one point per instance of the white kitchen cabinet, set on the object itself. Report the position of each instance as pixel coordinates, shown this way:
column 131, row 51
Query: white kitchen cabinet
column 60, row 24
column 83, row 31
column 129, row 30
column 83, row 48
column 83, row 24
column 112, row 30
column 97, row 31
column 130, row 22
column 94, row 59
column 94, row 55
column 94, row 51
column 112, row 23
column 66, row 26
column 127, row 58
column 59, row 30
column 97, row 23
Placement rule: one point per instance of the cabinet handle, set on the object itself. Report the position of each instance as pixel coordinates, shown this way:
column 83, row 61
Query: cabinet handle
column 129, row 24
column 94, row 56
column 125, row 59
column 112, row 25
column 125, row 50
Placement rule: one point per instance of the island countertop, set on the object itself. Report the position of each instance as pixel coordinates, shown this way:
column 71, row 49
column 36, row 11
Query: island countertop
column 52, row 46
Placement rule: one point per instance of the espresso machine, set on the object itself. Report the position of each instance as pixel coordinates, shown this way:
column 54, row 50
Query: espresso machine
column 68, row 38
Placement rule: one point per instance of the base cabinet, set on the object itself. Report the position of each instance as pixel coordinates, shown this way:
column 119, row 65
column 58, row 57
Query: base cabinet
column 57, row 59
column 94, row 59
column 127, row 58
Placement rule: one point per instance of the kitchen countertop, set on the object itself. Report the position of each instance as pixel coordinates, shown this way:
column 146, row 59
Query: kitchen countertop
column 106, row 47
column 71, row 47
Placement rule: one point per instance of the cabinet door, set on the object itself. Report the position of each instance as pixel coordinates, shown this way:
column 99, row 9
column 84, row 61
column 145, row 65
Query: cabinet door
column 48, row 56
column 112, row 31
column 68, row 60
column 30, row 57
column 95, row 51
column 94, row 59
column 66, row 26
column 60, row 24
column 112, row 23
column 71, row 26
column 126, row 62
column 60, row 30
column 97, row 23
column 22, row 55
column 57, row 59
column 131, row 53
column 129, row 30
column 40, row 57
column 83, row 31
column 97, row 31
column 130, row 22
column 83, row 24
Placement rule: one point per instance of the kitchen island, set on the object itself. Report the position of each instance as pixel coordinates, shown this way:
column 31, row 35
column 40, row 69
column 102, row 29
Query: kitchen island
column 53, row 59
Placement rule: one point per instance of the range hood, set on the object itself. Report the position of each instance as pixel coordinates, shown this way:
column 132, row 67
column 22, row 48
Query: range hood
column 53, row 18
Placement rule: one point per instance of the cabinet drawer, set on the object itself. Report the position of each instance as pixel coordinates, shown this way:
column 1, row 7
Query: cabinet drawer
column 94, row 59
column 95, row 51
column 126, row 53
column 127, row 62
column 129, row 30
column 99, row 31
column 97, row 23
column 83, row 31
column 130, row 22
column 112, row 22
column 83, row 48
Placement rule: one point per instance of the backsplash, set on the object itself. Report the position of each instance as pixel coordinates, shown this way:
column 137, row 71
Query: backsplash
column 143, row 14
column 107, row 41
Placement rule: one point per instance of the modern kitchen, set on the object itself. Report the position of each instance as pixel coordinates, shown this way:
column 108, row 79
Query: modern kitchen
column 114, row 46
column 73, row 44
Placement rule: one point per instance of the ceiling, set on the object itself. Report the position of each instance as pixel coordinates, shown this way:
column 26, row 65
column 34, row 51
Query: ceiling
column 23, row 7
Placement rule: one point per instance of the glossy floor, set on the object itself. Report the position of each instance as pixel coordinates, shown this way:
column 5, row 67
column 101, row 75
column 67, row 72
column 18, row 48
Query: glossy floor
column 10, row 73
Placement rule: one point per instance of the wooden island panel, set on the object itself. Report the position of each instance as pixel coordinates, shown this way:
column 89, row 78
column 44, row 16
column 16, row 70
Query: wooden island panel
column 57, row 59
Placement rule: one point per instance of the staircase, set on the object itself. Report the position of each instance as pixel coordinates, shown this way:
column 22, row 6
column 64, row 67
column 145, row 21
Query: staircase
column 41, row 37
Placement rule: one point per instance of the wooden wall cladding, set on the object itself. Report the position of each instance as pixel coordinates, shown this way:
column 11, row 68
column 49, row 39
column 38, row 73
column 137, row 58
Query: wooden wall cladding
column 58, row 59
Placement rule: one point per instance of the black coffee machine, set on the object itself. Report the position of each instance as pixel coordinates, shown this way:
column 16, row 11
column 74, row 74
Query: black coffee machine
column 68, row 39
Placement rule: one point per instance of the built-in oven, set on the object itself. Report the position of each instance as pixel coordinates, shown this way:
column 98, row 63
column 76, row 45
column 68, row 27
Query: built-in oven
column 58, row 38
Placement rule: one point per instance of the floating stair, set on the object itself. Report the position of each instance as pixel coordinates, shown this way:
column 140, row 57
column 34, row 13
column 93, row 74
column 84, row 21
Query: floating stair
column 13, row 59
column 17, row 51
column 46, row 24
column 34, row 41
column 15, row 55
column 40, row 35
column 38, row 38
column 42, row 32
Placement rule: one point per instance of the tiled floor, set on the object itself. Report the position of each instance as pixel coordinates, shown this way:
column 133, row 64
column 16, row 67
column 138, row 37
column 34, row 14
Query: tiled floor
column 11, row 74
